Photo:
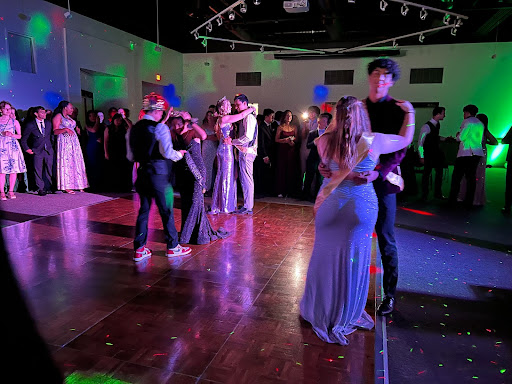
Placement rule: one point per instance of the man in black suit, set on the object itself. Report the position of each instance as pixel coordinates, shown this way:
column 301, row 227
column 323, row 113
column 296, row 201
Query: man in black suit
column 265, row 164
column 313, row 159
column 36, row 141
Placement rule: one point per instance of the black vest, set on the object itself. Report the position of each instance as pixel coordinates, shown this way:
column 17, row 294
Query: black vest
column 145, row 147
column 431, row 143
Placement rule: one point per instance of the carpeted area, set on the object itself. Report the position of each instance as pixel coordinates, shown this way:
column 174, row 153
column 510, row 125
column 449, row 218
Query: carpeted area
column 29, row 206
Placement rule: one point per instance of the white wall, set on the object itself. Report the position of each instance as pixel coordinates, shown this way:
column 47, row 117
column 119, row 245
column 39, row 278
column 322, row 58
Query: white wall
column 62, row 47
column 471, row 76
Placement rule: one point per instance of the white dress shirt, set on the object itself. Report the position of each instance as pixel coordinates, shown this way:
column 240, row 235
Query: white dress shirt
column 470, row 136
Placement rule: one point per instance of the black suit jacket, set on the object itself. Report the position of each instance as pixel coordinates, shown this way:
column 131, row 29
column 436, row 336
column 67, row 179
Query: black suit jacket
column 313, row 153
column 266, row 141
column 34, row 140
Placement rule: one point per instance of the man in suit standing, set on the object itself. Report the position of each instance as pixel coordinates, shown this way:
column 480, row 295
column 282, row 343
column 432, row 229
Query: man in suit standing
column 247, row 145
column 264, row 163
column 313, row 159
column 431, row 154
column 36, row 141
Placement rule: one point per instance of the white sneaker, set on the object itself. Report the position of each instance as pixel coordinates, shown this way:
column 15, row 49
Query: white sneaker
column 178, row 251
column 142, row 253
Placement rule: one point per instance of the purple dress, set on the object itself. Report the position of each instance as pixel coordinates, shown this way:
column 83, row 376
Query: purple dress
column 71, row 172
column 224, row 190
column 339, row 270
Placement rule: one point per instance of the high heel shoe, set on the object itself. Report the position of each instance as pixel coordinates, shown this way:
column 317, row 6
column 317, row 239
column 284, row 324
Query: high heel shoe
column 12, row 195
column 3, row 197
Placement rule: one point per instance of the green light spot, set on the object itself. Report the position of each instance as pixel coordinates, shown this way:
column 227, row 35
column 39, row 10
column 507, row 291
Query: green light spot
column 503, row 370
column 109, row 343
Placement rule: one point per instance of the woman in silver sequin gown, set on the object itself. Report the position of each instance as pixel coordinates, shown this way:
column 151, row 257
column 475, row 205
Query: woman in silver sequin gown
column 224, row 197
column 339, row 269
column 190, row 179
column 209, row 148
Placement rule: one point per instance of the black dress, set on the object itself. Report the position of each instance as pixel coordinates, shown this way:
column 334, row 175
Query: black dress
column 190, row 181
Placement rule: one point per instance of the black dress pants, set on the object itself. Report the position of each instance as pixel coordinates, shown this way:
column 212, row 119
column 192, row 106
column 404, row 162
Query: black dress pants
column 150, row 185
column 464, row 166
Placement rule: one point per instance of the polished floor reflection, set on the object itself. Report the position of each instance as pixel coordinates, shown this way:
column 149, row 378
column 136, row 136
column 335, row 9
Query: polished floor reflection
column 228, row 313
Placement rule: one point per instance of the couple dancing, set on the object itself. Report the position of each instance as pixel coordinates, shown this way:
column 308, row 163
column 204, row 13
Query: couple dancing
column 224, row 197
column 348, row 208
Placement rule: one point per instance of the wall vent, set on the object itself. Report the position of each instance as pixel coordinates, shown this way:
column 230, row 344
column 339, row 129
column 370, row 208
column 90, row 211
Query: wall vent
column 426, row 75
column 248, row 79
column 337, row 77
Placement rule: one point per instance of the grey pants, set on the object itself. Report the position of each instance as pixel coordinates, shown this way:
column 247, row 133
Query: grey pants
column 245, row 162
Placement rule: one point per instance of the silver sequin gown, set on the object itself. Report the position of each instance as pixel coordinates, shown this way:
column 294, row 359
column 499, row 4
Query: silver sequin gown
column 195, row 226
column 224, row 197
column 339, row 270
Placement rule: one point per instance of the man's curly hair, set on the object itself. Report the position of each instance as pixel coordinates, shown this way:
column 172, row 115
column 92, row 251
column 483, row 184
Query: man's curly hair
column 391, row 65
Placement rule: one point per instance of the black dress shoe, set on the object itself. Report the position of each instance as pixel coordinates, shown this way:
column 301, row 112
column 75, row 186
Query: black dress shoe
column 386, row 307
column 41, row 192
column 241, row 211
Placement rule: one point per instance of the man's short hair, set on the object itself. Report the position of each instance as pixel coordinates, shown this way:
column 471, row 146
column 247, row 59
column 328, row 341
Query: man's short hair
column 471, row 109
column 38, row 108
column 267, row 112
column 328, row 116
column 438, row 110
column 315, row 109
column 391, row 65
column 242, row 98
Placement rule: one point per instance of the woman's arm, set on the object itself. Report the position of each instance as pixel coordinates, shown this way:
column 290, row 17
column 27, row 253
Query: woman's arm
column 489, row 138
column 384, row 143
column 200, row 131
column 17, row 129
column 105, row 143
column 278, row 134
column 57, row 119
column 239, row 116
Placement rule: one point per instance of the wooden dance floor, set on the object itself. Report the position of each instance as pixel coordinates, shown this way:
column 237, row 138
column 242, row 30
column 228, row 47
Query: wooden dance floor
column 228, row 313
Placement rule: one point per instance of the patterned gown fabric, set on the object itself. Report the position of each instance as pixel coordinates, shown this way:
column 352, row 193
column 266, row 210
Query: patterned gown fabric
column 71, row 172
column 224, row 196
column 196, row 228
column 11, row 156
column 339, row 270
column 209, row 151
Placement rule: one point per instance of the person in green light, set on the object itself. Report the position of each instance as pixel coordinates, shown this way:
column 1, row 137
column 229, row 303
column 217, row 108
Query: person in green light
column 508, row 186
column 469, row 154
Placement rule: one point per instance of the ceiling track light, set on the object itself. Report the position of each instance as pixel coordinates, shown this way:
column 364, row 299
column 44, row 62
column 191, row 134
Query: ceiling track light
column 209, row 27
column 383, row 5
column 454, row 31
column 458, row 23
column 232, row 46
column 257, row 2
column 395, row 44
column 196, row 35
column 446, row 19
column 421, row 38
column 262, row 49
column 243, row 8
column 231, row 15
column 423, row 14
column 204, row 42
column 404, row 10
column 219, row 21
